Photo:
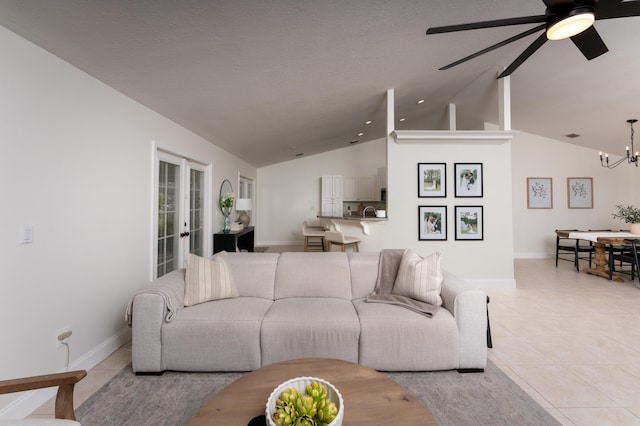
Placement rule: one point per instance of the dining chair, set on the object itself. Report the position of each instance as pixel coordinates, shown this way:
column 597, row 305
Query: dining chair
column 626, row 256
column 614, row 249
column 573, row 246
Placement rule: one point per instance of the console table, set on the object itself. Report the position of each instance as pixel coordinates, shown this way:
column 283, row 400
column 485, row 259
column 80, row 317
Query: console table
column 234, row 240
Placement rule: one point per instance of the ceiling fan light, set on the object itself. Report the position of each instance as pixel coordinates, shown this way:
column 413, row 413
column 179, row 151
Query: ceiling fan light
column 575, row 23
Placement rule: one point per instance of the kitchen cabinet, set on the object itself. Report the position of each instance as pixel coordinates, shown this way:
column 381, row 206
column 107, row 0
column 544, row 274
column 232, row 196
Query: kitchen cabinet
column 331, row 195
column 359, row 188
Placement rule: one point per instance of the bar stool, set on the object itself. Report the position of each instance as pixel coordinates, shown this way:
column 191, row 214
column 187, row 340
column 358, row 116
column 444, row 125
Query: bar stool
column 339, row 239
column 313, row 237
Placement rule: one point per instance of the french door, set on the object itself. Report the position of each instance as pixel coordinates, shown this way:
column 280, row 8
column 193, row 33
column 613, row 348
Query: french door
column 180, row 211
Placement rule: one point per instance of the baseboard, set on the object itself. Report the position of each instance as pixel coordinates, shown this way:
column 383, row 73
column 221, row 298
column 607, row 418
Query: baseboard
column 535, row 255
column 32, row 400
column 280, row 243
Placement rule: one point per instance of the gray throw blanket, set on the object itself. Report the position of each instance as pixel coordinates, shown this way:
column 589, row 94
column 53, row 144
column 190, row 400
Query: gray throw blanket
column 167, row 293
column 387, row 271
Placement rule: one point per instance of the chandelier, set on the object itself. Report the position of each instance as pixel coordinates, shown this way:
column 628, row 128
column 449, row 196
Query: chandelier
column 631, row 159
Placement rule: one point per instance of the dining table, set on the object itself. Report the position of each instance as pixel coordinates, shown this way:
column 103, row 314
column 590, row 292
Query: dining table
column 600, row 240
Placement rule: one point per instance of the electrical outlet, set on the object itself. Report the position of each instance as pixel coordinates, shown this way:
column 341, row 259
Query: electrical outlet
column 62, row 335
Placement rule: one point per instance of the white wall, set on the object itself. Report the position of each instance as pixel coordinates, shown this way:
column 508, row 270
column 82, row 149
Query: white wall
column 76, row 164
column 289, row 192
column 536, row 156
column 488, row 262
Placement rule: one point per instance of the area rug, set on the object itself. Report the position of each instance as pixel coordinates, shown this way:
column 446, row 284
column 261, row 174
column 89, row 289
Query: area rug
column 489, row 398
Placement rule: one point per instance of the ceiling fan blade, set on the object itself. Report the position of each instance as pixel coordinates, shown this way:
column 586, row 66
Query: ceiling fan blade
column 590, row 43
column 607, row 9
column 537, row 43
column 488, row 24
column 495, row 46
column 555, row 4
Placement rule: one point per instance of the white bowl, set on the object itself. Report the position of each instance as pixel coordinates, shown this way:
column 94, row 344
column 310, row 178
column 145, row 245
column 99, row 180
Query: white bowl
column 301, row 383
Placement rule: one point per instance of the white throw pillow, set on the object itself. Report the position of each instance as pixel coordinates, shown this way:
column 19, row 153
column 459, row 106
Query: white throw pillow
column 419, row 278
column 208, row 279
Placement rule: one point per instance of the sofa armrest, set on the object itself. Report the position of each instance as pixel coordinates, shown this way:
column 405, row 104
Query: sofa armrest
column 469, row 307
column 148, row 310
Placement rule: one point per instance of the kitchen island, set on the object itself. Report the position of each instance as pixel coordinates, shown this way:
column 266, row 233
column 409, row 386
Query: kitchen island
column 364, row 222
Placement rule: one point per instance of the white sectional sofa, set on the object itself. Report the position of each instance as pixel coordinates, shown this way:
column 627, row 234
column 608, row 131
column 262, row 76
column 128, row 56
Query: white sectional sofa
column 297, row 305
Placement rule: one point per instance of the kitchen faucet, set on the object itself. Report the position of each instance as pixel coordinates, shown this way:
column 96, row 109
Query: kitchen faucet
column 364, row 212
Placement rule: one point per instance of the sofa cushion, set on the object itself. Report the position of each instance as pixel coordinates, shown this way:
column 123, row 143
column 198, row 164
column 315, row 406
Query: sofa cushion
column 222, row 335
column 364, row 272
column 313, row 275
column 393, row 338
column 207, row 279
column 306, row 327
column 420, row 278
column 254, row 273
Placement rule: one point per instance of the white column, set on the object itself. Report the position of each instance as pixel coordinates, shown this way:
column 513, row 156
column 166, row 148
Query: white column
column 504, row 102
column 452, row 117
column 391, row 116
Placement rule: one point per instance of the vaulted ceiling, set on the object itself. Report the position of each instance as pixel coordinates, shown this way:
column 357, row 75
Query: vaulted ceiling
column 271, row 79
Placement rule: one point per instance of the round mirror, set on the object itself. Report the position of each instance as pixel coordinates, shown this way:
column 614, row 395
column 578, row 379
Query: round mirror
column 225, row 189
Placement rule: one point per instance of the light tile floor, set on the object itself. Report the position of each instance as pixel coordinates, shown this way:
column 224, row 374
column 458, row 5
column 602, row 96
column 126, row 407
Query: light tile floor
column 571, row 340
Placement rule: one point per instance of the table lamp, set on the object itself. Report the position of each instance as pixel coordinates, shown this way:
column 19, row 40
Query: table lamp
column 242, row 206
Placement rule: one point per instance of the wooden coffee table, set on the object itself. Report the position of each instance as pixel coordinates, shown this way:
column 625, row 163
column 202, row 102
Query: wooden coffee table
column 370, row 397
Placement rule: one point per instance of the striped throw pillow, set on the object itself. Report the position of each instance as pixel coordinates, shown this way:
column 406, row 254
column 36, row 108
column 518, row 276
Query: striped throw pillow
column 208, row 279
column 419, row 278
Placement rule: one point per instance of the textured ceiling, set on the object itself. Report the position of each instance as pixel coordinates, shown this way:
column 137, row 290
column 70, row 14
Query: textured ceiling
column 266, row 80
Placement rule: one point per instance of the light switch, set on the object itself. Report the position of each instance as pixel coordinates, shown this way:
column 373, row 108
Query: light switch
column 26, row 234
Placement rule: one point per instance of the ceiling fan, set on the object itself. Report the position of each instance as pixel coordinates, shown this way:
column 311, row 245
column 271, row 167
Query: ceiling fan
column 563, row 19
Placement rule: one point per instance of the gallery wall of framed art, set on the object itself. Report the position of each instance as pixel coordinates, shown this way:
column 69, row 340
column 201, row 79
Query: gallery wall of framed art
column 468, row 181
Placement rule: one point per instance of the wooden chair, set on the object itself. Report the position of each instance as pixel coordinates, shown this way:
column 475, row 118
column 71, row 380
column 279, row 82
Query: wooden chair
column 337, row 238
column 573, row 246
column 630, row 255
column 313, row 237
column 64, row 398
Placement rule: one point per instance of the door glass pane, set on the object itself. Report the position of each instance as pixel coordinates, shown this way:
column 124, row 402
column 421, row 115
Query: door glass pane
column 196, row 181
column 168, row 182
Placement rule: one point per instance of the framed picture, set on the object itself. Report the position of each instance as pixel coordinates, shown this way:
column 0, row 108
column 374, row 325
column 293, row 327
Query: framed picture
column 432, row 180
column 580, row 192
column 539, row 193
column 468, row 178
column 432, row 222
column 469, row 223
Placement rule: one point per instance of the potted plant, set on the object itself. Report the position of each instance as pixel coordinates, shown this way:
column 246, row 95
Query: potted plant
column 630, row 215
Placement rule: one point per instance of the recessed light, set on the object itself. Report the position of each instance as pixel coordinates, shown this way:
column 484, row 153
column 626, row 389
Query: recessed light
column 402, row 119
column 300, row 154
column 367, row 122
column 360, row 134
column 573, row 135
column 421, row 101
column 354, row 141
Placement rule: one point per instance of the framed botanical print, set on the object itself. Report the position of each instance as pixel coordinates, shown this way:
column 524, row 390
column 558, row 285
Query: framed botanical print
column 580, row 192
column 469, row 223
column 468, row 179
column 432, row 223
column 432, row 180
column 539, row 193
